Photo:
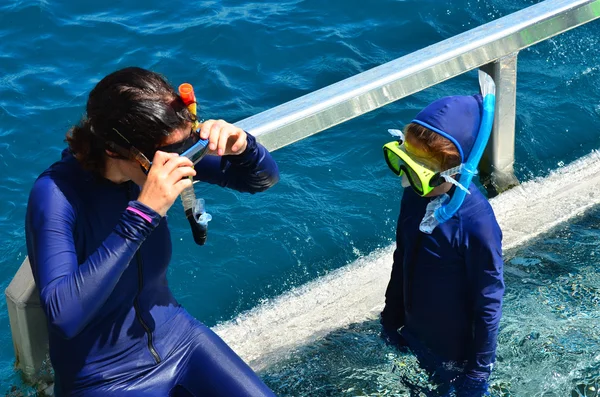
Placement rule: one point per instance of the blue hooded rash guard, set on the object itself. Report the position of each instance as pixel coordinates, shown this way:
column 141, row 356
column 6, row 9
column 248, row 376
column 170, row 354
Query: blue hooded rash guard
column 100, row 258
column 446, row 288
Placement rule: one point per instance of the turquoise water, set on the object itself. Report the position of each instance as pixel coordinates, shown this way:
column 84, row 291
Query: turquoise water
column 326, row 212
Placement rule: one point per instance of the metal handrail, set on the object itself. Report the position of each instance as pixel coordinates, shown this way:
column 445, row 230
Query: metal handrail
column 362, row 93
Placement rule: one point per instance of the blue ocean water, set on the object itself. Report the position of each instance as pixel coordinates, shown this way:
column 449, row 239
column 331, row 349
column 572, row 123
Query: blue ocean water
column 246, row 57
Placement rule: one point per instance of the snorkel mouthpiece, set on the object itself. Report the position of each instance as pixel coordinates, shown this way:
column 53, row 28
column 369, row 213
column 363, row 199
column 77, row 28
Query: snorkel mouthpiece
column 197, row 217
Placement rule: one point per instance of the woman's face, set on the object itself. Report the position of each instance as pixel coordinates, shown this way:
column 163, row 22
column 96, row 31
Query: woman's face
column 133, row 168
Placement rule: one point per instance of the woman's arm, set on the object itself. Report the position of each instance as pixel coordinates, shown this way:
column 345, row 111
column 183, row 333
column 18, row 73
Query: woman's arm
column 252, row 171
column 72, row 293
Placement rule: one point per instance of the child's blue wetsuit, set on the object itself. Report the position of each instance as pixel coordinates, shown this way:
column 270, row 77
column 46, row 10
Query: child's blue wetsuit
column 100, row 259
column 446, row 288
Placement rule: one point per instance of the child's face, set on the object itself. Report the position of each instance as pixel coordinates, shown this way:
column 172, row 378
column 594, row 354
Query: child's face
column 418, row 153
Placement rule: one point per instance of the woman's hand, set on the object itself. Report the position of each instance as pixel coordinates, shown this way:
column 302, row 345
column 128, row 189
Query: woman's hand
column 223, row 138
column 167, row 178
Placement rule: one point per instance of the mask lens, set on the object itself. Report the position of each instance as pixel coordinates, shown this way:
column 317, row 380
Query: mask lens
column 393, row 161
column 401, row 167
column 414, row 179
column 182, row 146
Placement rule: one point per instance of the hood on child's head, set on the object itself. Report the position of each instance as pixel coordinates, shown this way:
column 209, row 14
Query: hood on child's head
column 456, row 118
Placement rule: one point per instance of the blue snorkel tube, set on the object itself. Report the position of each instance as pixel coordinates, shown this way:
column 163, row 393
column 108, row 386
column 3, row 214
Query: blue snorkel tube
column 443, row 208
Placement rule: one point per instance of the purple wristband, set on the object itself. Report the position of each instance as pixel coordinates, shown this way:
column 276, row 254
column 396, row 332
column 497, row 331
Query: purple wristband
column 140, row 213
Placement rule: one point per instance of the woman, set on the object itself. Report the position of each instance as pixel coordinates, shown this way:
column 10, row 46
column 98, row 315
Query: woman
column 99, row 245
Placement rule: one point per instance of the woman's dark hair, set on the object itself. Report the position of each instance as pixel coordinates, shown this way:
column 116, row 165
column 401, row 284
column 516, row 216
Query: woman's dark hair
column 129, row 107
column 439, row 147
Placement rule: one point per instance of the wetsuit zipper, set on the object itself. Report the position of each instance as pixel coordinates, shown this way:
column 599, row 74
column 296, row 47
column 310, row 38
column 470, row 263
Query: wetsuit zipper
column 136, row 305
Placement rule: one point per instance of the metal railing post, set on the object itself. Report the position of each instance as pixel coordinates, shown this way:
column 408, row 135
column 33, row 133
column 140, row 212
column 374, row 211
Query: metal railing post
column 496, row 168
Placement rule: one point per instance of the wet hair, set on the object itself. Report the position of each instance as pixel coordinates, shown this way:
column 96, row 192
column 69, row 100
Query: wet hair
column 441, row 149
column 129, row 107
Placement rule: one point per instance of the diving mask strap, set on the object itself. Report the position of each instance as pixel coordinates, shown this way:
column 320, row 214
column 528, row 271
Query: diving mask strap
column 447, row 175
column 429, row 221
column 132, row 153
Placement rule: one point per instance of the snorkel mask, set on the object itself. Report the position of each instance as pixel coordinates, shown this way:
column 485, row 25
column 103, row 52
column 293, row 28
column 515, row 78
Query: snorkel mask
column 456, row 124
column 422, row 178
column 195, row 149
column 192, row 147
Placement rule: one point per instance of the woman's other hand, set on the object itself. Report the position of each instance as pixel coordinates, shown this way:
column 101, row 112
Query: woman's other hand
column 224, row 138
column 167, row 178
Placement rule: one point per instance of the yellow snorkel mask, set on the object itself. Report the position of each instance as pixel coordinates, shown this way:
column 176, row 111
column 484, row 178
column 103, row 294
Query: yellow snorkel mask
column 422, row 178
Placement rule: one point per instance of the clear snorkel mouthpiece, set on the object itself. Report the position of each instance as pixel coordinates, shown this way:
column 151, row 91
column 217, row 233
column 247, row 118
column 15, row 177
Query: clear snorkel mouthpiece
column 429, row 221
column 201, row 216
column 196, row 215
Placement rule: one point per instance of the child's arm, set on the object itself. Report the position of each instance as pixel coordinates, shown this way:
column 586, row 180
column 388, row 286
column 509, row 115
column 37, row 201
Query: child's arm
column 484, row 270
column 392, row 316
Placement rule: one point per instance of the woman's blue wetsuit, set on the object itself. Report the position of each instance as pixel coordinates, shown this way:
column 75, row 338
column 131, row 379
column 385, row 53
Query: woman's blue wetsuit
column 100, row 258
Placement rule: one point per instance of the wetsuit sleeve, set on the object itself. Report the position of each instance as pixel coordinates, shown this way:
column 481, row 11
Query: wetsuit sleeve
column 252, row 171
column 72, row 293
column 392, row 316
column 485, row 268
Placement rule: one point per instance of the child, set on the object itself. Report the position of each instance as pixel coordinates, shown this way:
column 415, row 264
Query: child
column 444, row 298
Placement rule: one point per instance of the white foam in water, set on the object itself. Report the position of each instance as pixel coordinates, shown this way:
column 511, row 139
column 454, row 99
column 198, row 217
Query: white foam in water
column 355, row 293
